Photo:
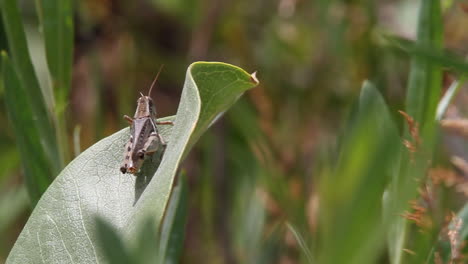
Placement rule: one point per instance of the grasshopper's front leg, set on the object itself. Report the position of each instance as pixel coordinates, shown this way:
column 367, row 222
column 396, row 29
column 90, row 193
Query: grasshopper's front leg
column 129, row 119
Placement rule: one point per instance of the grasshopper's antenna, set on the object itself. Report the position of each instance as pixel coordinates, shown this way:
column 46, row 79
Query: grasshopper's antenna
column 154, row 81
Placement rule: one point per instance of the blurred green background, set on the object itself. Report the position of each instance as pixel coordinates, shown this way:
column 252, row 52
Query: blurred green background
column 259, row 166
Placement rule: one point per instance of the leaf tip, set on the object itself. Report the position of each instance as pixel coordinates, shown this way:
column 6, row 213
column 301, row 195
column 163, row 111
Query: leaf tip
column 253, row 78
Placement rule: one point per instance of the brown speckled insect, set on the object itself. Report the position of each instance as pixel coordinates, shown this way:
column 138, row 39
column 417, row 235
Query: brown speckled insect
column 144, row 136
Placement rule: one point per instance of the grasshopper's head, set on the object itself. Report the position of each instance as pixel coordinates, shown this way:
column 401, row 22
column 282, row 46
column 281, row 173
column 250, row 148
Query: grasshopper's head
column 145, row 105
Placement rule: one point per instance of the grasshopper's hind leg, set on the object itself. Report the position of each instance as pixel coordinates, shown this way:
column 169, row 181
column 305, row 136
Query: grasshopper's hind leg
column 151, row 144
column 127, row 153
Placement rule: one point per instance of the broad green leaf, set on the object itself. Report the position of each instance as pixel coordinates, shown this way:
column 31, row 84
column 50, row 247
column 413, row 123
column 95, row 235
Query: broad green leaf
column 37, row 168
column 352, row 192
column 173, row 227
column 61, row 226
column 21, row 61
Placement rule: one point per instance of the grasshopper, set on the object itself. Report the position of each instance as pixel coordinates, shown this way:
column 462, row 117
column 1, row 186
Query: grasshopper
column 144, row 136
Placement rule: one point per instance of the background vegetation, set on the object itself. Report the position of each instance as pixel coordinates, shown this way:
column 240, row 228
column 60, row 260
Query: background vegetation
column 316, row 164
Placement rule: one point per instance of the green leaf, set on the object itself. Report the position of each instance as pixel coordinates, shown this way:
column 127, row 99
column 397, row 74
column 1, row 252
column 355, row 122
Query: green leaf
column 37, row 168
column 92, row 185
column 173, row 227
column 26, row 76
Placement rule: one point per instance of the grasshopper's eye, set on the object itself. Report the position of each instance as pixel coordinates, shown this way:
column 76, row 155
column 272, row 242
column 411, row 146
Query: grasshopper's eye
column 141, row 155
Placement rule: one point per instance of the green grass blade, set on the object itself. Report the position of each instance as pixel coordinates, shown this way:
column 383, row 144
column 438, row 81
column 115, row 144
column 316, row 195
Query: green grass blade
column 147, row 247
column 302, row 244
column 352, row 191
column 448, row 252
column 92, row 184
column 425, row 78
column 437, row 57
column 56, row 20
column 447, row 98
column 173, row 227
column 37, row 168
column 21, row 61
column 12, row 204
column 10, row 160
column 423, row 92
column 111, row 244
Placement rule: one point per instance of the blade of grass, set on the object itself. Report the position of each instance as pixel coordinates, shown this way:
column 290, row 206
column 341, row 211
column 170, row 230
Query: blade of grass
column 9, row 158
column 37, row 168
column 147, row 248
column 12, row 204
column 447, row 98
column 422, row 97
column 26, row 77
column 447, row 251
column 352, row 189
column 56, row 19
column 111, row 243
column 301, row 242
column 173, row 227
column 438, row 57
column 425, row 78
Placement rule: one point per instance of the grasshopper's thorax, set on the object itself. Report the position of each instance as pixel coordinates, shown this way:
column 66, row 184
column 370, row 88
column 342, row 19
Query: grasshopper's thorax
column 145, row 107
